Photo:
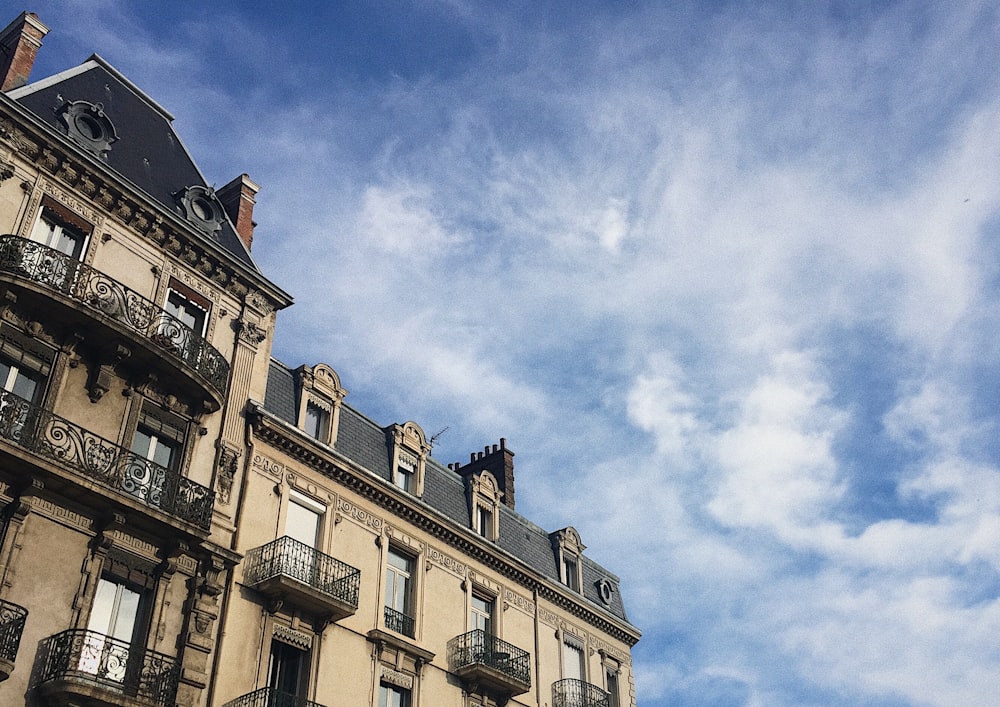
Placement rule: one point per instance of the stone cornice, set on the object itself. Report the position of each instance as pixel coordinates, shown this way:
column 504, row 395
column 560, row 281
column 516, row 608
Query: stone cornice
column 55, row 155
column 333, row 465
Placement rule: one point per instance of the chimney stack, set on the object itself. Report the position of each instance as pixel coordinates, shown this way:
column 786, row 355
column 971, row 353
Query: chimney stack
column 19, row 44
column 238, row 199
column 497, row 460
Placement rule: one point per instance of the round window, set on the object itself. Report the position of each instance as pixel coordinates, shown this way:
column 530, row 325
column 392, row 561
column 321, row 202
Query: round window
column 88, row 127
column 202, row 209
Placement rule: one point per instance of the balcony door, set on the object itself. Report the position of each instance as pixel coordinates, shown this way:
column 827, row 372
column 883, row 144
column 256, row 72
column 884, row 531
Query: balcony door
column 112, row 630
column 57, row 263
column 303, row 523
column 56, row 234
column 288, row 672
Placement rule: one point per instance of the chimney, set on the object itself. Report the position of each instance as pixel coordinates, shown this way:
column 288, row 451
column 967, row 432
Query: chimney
column 497, row 460
column 237, row 199
column 19, row 44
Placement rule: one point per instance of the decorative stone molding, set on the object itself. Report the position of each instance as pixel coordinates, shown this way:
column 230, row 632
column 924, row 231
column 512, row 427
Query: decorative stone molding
column 447, row 562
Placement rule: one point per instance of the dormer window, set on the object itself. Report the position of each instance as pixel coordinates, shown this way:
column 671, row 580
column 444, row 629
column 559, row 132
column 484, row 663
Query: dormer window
column 484, row 504
column 409, row 449
column 88, row 126
column 320, row 398
column 201, row 207
column 568, row 549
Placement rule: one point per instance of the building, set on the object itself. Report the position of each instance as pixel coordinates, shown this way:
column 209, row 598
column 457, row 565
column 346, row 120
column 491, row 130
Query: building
column 189, row 521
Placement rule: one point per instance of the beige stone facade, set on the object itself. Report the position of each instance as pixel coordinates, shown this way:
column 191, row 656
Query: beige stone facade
column 186, row 520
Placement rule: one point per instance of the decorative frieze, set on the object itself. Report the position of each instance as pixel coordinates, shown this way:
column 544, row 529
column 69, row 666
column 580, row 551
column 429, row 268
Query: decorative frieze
column 63, row 516
column 269, row 466
column 548, row 617
column 447, row 562
column 519, row 602
column 302, row 641
column 359, row 515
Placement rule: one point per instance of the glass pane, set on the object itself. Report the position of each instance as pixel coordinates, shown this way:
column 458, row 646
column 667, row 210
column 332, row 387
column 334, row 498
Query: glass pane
column 24, row 387
column 186, row 311
column 163, row 453
column 573, row 662
column 302, row 524
column 141, row 443
column 123, row 624
column 104, row 606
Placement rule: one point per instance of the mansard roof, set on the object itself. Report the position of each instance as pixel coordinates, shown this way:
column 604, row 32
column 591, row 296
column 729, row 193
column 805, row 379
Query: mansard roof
column 365, row 444
column 148, row 153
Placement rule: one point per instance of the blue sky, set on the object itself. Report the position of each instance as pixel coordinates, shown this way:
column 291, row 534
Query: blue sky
column 725, row 276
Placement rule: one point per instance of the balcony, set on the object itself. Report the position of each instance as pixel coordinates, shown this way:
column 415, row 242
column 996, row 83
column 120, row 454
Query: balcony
column 53, row 439
column 399, row 622
column 485, row 660
column 86, row 667
column 268, row 697
column 111, row 311
column 577, row 693
column 12, row 618
column 291, row 571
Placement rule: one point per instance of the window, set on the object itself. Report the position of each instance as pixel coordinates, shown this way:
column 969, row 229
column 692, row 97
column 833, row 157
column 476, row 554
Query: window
column 190, row 314
column 573, row 665
column 568, row 550
column 23, row 370
column 408, row 453
column 288, row 669
column 485, row 522
column 393, row 696
column 303, row 519
column 399, row 593
column 58, row 234
column 317, row 421
column 320, row 398
column 157, row 446
column 117, row 622
column 481, row 617
column 63, row 236
column 484, row 504
column 571, row 573
column 611, row 683
column 406, row 473
column 19, row 380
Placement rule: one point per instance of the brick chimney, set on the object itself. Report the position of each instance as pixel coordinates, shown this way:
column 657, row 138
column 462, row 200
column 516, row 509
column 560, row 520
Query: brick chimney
column 238, row 199
column 497, row 460
column 19, row 43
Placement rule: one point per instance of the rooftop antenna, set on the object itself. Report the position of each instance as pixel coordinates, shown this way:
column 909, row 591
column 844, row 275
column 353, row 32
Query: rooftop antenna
column 436, row 435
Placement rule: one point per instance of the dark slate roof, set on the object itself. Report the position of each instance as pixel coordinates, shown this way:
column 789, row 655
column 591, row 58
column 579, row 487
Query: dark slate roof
column 148, row 153
column 365, row 443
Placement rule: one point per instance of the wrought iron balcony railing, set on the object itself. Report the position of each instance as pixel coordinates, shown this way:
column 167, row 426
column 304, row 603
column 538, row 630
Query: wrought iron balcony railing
column 12, row 618
column 290, row 558
column 115, row 665
column 480, row 648
column 399, row 622
column 51, row 437
column 577, row 693
column 92, row 288
column 269, row 697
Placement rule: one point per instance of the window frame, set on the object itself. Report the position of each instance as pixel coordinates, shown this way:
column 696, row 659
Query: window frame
column 392, row 576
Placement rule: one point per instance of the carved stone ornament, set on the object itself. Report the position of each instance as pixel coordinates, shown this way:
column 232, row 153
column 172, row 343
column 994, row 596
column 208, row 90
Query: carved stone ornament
column 89, row 126
column 250, row 332
column 6, row 170
column 228, row 462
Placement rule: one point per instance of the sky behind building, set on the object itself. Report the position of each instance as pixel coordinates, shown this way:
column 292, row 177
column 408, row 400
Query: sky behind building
column 725, row 275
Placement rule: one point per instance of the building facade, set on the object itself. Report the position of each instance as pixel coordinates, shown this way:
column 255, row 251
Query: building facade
column 187, row 521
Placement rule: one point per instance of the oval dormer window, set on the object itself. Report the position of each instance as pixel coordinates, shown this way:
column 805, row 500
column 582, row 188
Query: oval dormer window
column 201, row 207
column 89, row 126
